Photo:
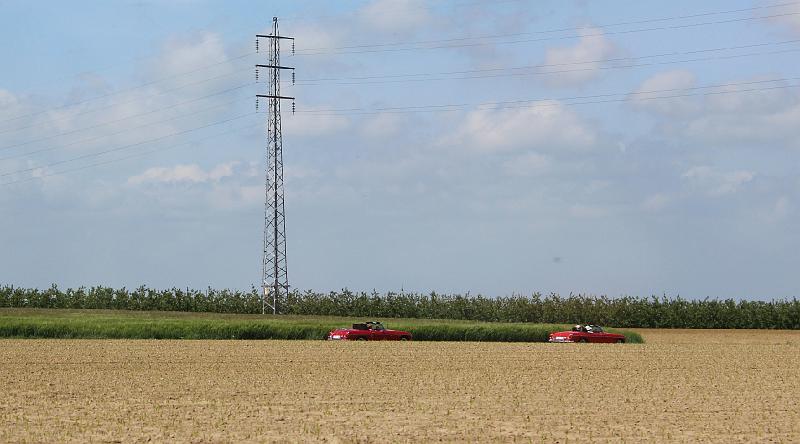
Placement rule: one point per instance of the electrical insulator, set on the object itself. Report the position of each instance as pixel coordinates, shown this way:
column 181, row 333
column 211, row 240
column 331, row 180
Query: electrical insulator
column 292, row 77
column 292, row 47
column 256, row 104
column 256, row 44
column 293, row 107
column 256, row 74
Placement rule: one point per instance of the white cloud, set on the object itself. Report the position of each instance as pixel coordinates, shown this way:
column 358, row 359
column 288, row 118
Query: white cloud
column 183, row 54
column 52, row 186
column 108, row 118
column 788, row 17
column 657, row 202
column 229, row 185
column 234, row 195
column 11, row 108
column 545, row 126
column 395, row 16
column 782, row 207
column 527, row 164
column 753, row 111
column 584, row 211
column 583, row 60
column 715, row 183
column 313, row 122
column 298, row 172
column 669, row 83
column 382, row 125
column 252, row 169
column 737, row 99
column 183, row 174
column 747, row 125
column 669, row 79
column 316, row 37
column 775, row 211
column 7, row 99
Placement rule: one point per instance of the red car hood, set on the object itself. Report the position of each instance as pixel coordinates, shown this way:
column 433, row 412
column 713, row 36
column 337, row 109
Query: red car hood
column 584, row 334
column 340, row 331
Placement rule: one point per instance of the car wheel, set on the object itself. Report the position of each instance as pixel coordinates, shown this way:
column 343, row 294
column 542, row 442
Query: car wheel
column 404, row 338
column 361, row 339
column 583, row 340
column 620, row 341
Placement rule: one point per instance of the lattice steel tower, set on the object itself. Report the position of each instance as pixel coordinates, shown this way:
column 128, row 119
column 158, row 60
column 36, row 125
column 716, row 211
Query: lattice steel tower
column 274, row 276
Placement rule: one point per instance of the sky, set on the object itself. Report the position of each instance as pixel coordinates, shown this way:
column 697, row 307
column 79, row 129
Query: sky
column 460, row 146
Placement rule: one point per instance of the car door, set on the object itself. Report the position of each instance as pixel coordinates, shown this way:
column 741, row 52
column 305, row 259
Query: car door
column 382, row 334
column 597, row 337
column 608, row 338
column 591, row 337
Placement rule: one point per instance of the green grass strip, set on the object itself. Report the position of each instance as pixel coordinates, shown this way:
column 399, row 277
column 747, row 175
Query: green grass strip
column 109, row 324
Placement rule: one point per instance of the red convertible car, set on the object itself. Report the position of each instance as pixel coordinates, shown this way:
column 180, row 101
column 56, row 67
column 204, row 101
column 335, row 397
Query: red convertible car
column 368, row 331
column 586, row 333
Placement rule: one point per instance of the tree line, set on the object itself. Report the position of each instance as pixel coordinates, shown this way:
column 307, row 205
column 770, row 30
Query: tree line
column 628, row 311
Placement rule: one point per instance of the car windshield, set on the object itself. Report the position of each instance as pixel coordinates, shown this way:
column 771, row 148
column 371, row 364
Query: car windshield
column 596, row 329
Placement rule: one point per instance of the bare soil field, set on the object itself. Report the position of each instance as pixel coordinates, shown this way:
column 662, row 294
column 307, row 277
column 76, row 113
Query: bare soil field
column 721, row 386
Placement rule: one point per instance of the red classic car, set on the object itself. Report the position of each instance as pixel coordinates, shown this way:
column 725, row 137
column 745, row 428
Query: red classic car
column 368, row 331
column 586, row 333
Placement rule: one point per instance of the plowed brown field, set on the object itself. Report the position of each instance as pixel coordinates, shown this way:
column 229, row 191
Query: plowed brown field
column 718, row 386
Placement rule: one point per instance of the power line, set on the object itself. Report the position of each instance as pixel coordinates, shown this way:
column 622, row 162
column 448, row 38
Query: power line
column 638, row 65
column 401, row 109
column 148, row 56
column 411, row 77
column 143, row 85
column 630, row 96
column 549, row 31
column 91, row 139
column 125, row 147
column 113, row 104
column 130, row 156
column 437, row 41
column 149, row 83
column 377, row 111
column 317, row 18
column 543, row 39
column 133, row 88
column 109, row 122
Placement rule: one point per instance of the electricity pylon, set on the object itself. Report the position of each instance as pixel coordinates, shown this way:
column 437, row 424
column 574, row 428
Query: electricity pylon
column 274, row 279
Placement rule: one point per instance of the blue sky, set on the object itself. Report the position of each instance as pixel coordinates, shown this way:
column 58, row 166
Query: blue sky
column 654, row 151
